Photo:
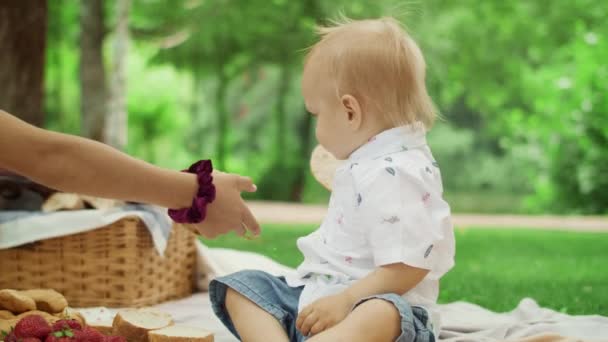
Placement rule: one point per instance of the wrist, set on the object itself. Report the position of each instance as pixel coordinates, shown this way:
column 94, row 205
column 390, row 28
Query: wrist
column 349, row 296
column 203, row 196
column 186, row 191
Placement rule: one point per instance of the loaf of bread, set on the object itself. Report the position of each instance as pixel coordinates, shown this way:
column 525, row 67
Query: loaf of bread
column 15, row 301
column 47, row 300
column 9, row 324
column 5, row 314
column 180, row 333
column 134, row 324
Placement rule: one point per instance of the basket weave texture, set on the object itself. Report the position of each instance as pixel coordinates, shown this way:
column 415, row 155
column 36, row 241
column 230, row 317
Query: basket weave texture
column 113, row 266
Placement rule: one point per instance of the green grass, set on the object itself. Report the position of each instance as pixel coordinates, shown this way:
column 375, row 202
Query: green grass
column 565, row 271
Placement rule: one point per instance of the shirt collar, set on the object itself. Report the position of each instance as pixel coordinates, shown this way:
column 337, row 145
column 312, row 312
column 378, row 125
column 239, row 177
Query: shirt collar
column 392, row 140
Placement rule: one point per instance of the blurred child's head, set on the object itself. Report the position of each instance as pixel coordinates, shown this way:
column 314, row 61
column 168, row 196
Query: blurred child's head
column 361, row 78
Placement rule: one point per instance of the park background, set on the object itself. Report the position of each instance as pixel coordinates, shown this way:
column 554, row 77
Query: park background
column 522, row 87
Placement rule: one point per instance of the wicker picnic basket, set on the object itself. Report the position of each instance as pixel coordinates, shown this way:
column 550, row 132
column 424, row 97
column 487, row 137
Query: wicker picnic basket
column 113, row 266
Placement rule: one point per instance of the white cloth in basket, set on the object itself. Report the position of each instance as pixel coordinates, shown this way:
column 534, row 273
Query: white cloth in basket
column 21, row 227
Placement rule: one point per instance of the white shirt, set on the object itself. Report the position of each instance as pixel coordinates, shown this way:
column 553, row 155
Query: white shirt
column 386, row 207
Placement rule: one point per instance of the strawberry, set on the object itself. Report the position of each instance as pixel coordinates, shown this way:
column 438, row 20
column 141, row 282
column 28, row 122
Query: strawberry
column 115, row 339
column 30, row 339
column 65, row 335
column 10, row 337
column 53, row 338
column 66, row 324
column 89, row 334
column 32, row 326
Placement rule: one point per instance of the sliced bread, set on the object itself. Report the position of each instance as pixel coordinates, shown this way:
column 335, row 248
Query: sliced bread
column 104, row 327
column 180, row 333
column 134, row 324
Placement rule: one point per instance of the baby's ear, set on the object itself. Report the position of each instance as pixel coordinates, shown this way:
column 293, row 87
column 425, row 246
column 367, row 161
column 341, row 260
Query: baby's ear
column 352, row 108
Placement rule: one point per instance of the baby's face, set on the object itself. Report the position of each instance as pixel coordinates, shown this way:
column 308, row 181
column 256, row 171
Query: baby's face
column 332, row 129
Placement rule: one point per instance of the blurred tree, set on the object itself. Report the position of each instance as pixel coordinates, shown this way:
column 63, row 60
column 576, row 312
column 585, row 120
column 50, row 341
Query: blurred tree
column 231, row 43
column 62, row 99
column 55, row 39
column 569, row 124
column 207, row 48
column 489, row 59
column 115, row 131
column 23, row 25
column 93, row 88
column 219, row 78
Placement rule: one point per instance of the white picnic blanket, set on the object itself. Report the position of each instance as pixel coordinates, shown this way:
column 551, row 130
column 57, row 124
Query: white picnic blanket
column 461, row 321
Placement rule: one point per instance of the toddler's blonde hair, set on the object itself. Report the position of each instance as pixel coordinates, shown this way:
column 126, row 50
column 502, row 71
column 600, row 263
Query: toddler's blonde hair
column 378, row 62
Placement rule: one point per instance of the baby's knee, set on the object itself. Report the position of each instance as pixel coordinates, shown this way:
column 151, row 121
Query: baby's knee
column 376, row 320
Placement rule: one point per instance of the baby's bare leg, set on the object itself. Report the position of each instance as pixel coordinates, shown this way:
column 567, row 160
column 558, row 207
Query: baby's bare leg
column 373, row 320
column 252, row 323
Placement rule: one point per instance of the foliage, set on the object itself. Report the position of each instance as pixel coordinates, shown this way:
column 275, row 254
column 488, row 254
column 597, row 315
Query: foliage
column 530, row 79
column 521, row 86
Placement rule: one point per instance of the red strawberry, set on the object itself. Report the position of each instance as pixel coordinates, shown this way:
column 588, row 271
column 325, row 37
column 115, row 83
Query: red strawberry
column 58, row 337
column 89, row 334
column 10, row 337
column 53, row 338
column 32, row 326
column 66, row 335
column 30, row 339
column 66, row 324
column 115, row 339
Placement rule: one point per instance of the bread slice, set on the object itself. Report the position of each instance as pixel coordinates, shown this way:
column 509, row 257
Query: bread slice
column 70, row 313
column 180, row 333
column 103, row 326
column 323, row 165
column 134, row 324
column 100, row 318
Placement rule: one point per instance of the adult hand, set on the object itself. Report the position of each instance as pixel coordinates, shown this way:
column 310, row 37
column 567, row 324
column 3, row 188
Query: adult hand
column 228, row 212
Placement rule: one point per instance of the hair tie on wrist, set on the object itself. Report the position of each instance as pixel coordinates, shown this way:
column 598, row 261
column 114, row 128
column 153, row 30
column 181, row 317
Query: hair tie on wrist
column 205, row 195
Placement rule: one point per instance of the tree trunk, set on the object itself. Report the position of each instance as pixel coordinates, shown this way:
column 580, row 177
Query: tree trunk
column 284, row 83
column 93, row 92
column 23, row 25
column 222, row 119
column 305, row 133
column 116, row 126
column 56, row 91
column 196, row 137
column 53, row 56
column 305, row 130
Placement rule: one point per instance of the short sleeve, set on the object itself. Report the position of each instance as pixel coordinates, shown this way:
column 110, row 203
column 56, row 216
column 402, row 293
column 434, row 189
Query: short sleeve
column 405, row 219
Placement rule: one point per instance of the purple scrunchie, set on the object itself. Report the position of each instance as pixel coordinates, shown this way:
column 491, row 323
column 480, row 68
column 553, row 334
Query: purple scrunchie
column 205, row 195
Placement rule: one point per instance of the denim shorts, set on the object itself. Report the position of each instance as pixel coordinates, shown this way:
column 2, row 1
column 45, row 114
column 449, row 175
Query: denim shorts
column 274, row 296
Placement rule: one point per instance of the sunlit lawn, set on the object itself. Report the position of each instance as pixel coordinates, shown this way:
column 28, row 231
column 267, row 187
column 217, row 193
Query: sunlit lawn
column 566, row 271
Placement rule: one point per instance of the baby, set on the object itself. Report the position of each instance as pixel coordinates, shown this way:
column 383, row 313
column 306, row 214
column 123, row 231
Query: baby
column 371, row 271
